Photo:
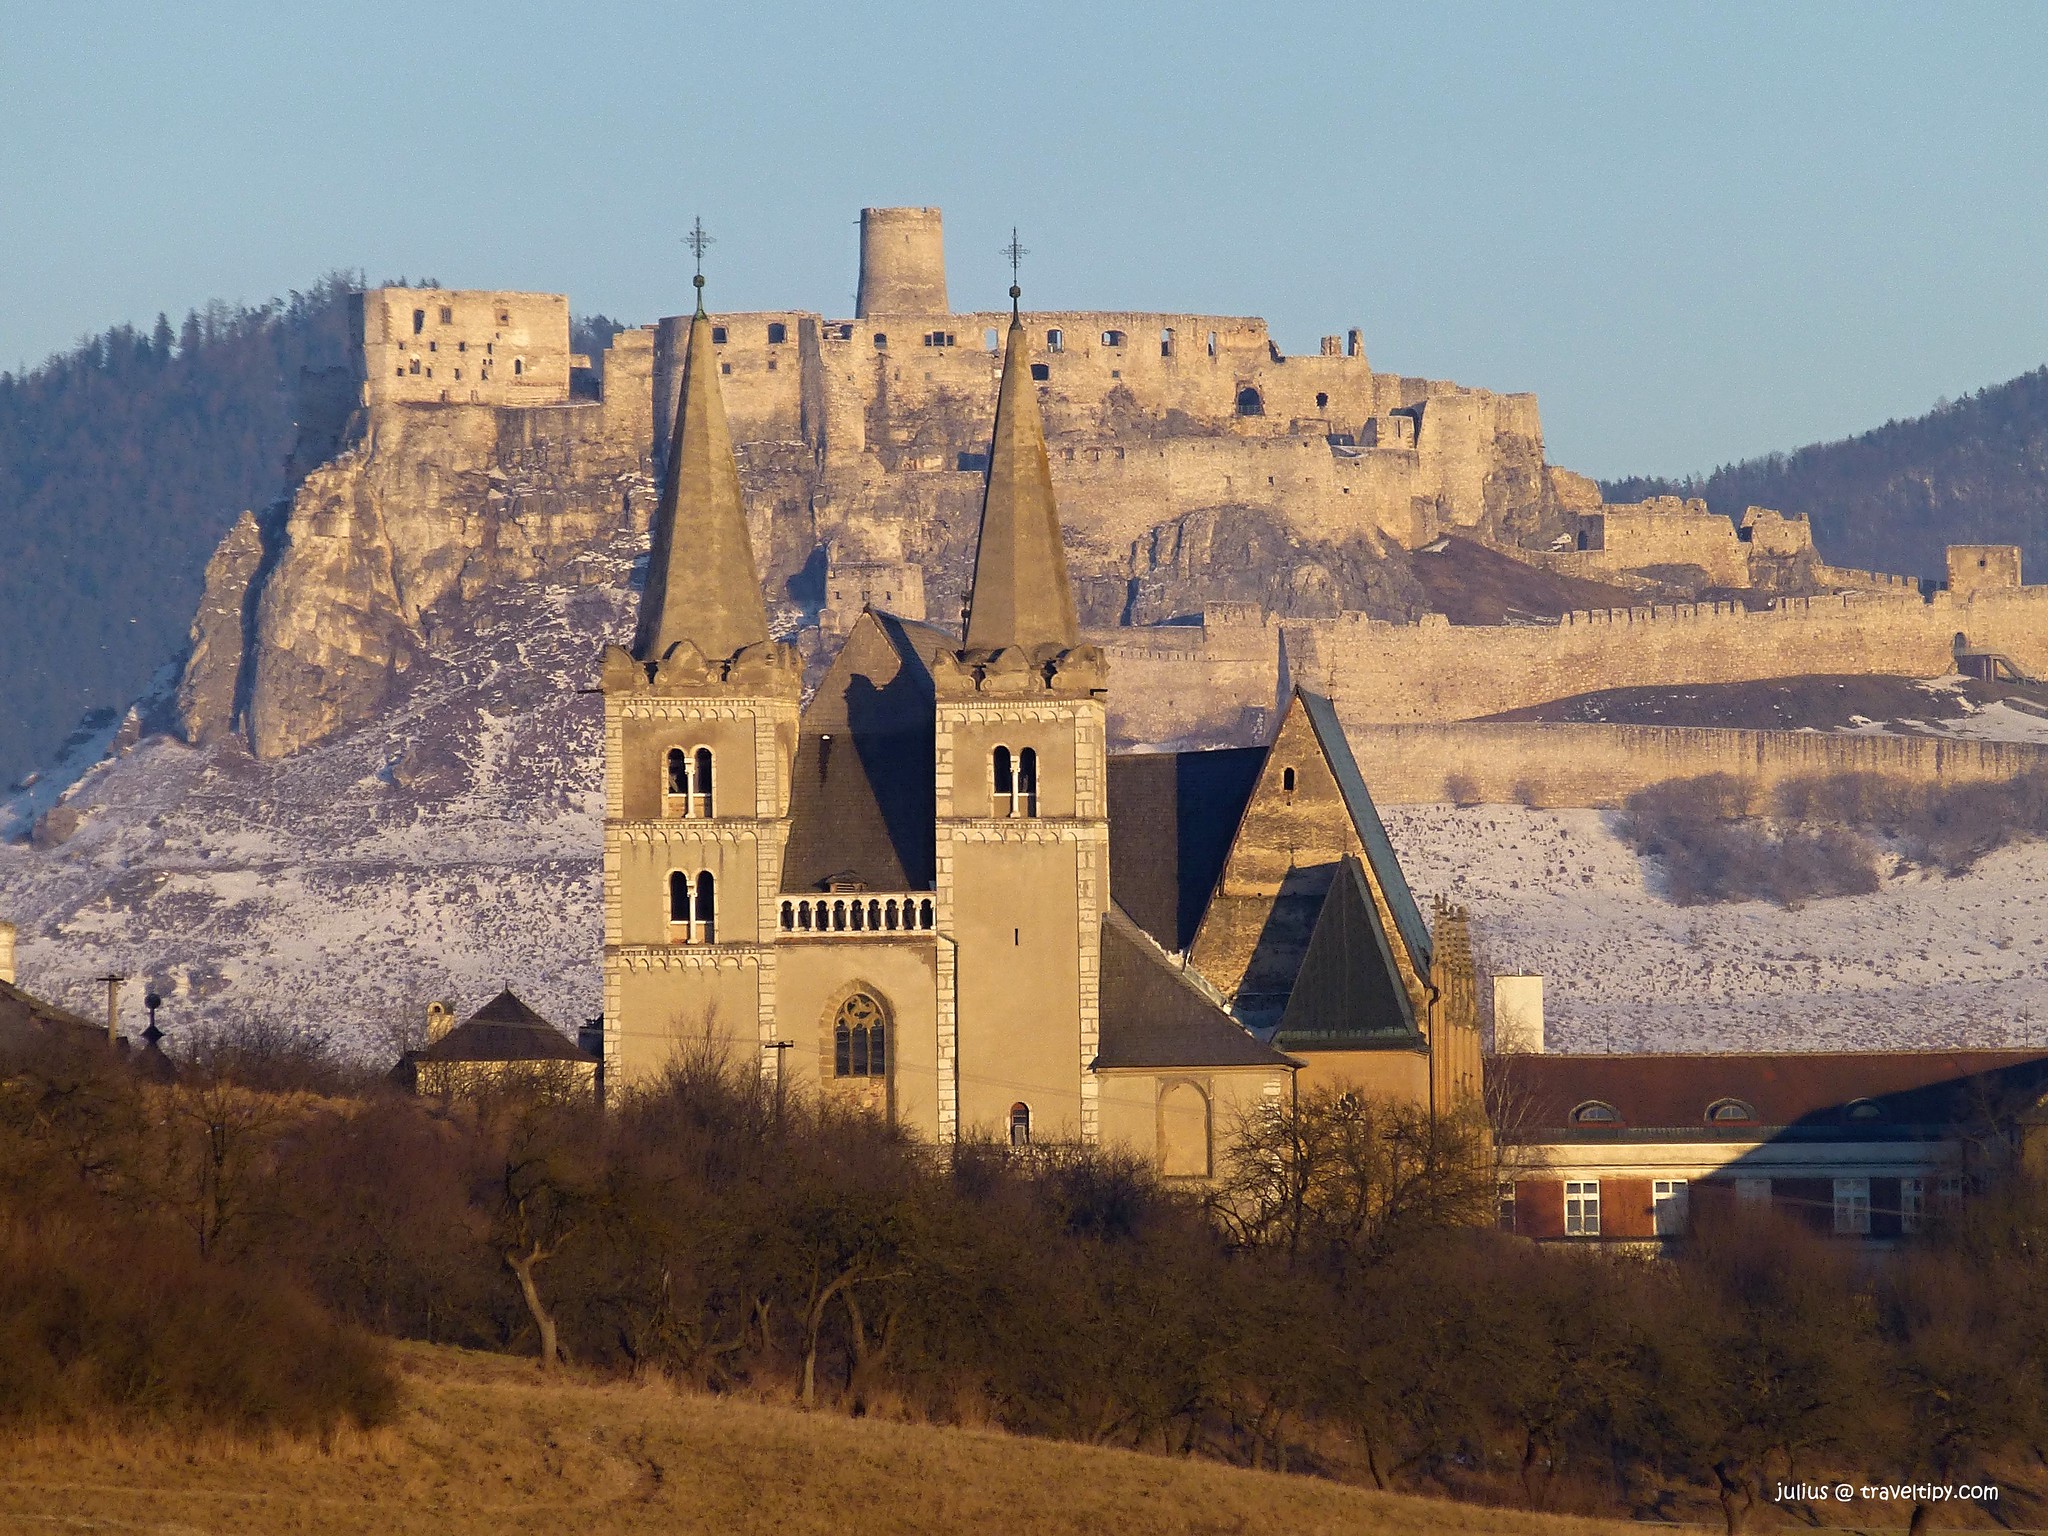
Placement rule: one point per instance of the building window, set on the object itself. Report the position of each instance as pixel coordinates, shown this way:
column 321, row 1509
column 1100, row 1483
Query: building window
column 518, row 366
column 725, row 367
column 1056, row 341
column 1504, row 1205
column 1112, row 338
column 1729, row 1112
column 1322, row 400
column 415, row 366
column 860, row 1039
column 718, row 335
column 1166, row 341
column 692, row 908
column 1212, row 343
column 1948, row 1195
column 1852, row 1206
column 1250, row 402
column 1582, row 1208
column 1020, row 1125
column 1014, row 782
column 990, row 339
column 1912, row 1205
column 1667, row 1207
column 504, row 317
column 687, row 791
column 1040, row 372
column 881, row 340
column 419, row 321
column 778, row 333
column 704, row 924
column 1594, row 1112
column 938, row 338
column 1287, row 780
column 447, row 315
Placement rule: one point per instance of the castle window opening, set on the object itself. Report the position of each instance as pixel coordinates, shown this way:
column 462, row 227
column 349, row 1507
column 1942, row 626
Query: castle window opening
column 725, row 367
column 1322, row 401
column 401, row 370
column 881, row 340
column 462, row 346
column 433, row 346
column 458, row 375
column 1354, row 343
column 1166, row 341
column 1212, row 343
column 1116, row 373
column 415, row 366
column 771, row 365
column 1250, row 402
column 518, row 366
column 1041, row 372
column 718, row 335
column 490, row 348
column 860, row 1039
column 1056, row 340
column 778, row 333
column 447, row 315
column 1112, row 338
column 419, row 321
column 430, row 373
column 1020, row 1124
column 504, row 317
column 938, row 338
column 989, row 338
column 1287, row 780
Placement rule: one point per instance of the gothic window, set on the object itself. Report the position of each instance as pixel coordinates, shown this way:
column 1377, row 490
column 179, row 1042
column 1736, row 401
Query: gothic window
column 860, row 1039
column 1250, row 403
column 778, row 333
column 1020, row 1124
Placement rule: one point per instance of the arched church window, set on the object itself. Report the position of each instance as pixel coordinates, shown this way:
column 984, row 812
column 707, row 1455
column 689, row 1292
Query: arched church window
column 700, row 791
column 678, row 773
column 1025, row 803
column 1003, row 777
column 704, row 929
column 678, row 898
column 1287, row 780
column 860, row 1038
column 1020, row 1124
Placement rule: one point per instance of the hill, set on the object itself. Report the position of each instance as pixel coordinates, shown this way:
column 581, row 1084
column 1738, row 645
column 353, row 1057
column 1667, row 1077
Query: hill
column 484, row 1444
column 1970, row 471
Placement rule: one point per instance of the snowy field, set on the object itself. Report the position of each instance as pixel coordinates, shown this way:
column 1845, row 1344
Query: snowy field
column 1926, row 961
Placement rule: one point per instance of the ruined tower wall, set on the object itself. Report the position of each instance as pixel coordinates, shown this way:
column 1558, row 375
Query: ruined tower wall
column 462, row 346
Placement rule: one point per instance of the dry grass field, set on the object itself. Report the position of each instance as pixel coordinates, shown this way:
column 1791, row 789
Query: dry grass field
column 483, row 1445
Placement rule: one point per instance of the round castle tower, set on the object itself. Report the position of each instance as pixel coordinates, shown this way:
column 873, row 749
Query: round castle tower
column 902, row 263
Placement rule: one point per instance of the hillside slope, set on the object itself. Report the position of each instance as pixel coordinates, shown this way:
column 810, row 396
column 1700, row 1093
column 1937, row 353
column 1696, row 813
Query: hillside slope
column 483, row 1444
column 1972, row 471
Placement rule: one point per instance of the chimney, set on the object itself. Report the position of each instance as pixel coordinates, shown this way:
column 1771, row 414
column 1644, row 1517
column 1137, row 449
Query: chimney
column 1518, row 1015
column 7, row 953
column 440, row 1019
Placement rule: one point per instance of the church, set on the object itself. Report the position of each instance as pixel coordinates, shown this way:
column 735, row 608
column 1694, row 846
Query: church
column 932, row 891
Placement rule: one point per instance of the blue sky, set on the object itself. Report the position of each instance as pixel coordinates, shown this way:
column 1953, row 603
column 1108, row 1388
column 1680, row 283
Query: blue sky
column 1697, row 232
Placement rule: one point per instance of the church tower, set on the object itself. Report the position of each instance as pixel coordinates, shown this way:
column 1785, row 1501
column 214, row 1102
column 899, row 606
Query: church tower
column 1022, row 811
column 700, row 731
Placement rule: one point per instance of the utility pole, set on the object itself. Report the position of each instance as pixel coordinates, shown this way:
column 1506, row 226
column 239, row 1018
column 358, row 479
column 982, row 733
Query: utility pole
column 779, row 1047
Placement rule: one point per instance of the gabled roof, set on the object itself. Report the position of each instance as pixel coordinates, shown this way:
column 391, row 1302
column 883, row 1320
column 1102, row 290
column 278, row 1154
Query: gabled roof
column 1347, row 994
column 504, row 1029
column 26, row 1021
column 1155, row 1015
column 1365, row 817
column 1800, row 1092
column 1021, row 595
column 701, row 583
column 1171, row 819
column 861, row 792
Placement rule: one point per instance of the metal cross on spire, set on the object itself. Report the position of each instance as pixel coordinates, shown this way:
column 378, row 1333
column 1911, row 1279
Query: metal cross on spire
column 698, row 241
column 1016, row 253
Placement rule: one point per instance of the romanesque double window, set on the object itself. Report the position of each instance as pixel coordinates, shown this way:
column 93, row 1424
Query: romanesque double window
column 1014, row 782
column 686, row 791
column 692, row 908
column 860, row 1039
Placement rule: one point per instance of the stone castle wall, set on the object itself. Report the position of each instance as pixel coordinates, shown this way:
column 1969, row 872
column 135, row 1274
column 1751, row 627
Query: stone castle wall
column 1602, row 765
column 460, row 346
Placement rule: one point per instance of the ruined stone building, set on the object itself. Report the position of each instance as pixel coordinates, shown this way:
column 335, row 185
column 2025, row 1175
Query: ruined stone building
column 934, row 891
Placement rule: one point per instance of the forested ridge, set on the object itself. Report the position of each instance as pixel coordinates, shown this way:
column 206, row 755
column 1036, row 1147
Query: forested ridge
column 122, row 462
column 1970, row 471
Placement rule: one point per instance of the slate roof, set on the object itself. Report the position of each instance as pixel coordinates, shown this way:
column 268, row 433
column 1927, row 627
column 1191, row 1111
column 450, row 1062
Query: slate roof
column 1791, row 1093
column 861, row 803
column 1154, row 1015
column 1365, row 816
column 1348, row 993
column 504, row 1029
column 1172, row 816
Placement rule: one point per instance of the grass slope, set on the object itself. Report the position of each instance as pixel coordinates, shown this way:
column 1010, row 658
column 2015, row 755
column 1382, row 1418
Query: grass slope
column 483, row 1444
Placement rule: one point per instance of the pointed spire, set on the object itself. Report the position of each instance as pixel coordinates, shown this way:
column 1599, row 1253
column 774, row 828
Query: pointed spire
column 1021, row 594
column 701, row 582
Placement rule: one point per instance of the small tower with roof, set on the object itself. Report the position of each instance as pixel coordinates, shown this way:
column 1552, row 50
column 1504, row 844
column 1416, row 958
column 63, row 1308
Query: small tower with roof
column 1022, row 809
column 700, row 732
